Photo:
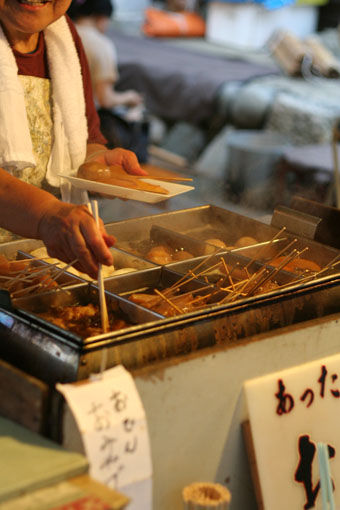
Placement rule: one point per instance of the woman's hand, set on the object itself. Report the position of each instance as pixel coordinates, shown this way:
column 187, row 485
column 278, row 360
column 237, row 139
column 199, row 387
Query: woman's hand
column 118, row 156
column 70, row 232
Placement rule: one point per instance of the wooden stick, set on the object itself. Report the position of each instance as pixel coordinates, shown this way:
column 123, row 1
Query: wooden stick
column 60, row 271
column 204, row 261
column 305, row 278
column 274, row 239
column 177, row 308
column 228, row 273
column 29, row 275
column 102, row 301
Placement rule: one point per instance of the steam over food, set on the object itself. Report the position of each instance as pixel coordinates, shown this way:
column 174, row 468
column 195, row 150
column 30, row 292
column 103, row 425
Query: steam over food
column 116, row 176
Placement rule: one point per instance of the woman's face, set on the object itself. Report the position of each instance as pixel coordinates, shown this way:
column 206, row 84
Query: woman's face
column 22, row 19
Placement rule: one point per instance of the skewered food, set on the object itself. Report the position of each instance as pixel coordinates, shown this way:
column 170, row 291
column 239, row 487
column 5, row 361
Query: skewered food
column 21, row 277
column 11, row 267
column 166, row 305
column 85, row 321
column 116, row 176
column 298, row 265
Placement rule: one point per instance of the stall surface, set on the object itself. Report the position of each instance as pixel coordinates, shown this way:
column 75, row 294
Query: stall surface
column 189, row 369
column 34, row 342
column 195, row 407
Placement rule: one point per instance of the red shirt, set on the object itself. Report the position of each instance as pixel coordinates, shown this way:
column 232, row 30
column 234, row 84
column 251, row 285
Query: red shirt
column 35, row 64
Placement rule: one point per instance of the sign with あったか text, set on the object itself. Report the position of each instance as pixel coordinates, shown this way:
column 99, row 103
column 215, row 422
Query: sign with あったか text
column 290, row 411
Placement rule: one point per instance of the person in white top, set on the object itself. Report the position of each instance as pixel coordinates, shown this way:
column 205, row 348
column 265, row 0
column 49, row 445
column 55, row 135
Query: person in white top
column 92, row 18
column 121, row 113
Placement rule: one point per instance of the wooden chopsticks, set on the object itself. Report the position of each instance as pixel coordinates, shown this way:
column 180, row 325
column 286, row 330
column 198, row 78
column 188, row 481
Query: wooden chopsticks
column 93, row 208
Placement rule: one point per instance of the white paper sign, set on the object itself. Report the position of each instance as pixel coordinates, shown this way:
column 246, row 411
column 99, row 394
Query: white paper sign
column 112, row 423
column 290, row 412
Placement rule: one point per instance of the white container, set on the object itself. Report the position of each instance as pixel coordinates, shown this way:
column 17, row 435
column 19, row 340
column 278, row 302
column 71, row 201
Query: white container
column 250, row 25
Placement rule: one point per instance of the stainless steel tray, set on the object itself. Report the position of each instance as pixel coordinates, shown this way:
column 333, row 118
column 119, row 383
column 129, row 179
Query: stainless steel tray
column 199, row 224
column 53, row 354
column 177, row 245
column 80, row 295
column 122, row 260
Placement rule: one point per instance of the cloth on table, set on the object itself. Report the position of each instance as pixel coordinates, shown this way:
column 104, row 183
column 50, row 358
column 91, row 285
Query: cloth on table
column 178, row 84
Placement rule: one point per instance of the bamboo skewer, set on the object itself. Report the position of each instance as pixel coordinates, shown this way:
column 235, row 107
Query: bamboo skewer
column 266, row 245
column 63, row 270
column 27, row 277
column 312, row 276
column 204, row 261
column 228, row 273
column 245, row 287
column 161, row 295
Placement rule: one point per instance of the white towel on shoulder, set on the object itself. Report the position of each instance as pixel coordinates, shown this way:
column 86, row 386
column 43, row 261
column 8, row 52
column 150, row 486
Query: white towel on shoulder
column 69, row 114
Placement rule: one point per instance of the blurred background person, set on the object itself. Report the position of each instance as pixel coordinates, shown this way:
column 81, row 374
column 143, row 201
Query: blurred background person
column 122, row 113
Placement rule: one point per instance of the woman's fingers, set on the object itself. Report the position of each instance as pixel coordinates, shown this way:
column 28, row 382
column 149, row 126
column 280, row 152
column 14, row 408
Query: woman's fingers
column 70, row 233
column 126, row 159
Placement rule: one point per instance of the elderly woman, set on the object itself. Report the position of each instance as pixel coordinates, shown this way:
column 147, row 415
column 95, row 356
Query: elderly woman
column 48, row 125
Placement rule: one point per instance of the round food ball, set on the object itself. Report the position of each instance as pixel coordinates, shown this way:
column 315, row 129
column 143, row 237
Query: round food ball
column 94, row 171
column 182, row 255
column 216, row 242
column 242, row 242
column 160, row 255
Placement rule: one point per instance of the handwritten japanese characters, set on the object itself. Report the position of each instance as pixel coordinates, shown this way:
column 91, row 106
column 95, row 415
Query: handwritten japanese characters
column 112, row 423
column 290, row 412
column 114, row 444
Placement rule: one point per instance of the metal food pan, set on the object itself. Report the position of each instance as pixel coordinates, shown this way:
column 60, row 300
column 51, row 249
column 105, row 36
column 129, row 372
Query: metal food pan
column 161, row 279
column 144, row 281
column 10, row 250
column 193, row 222
column 224, row 325
column 49, row 353
column 177, row 245
column 205, row 270
column 81, row 295
column 122, row 260
column 19, row 287
column 206, row 222
column 53, row 354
